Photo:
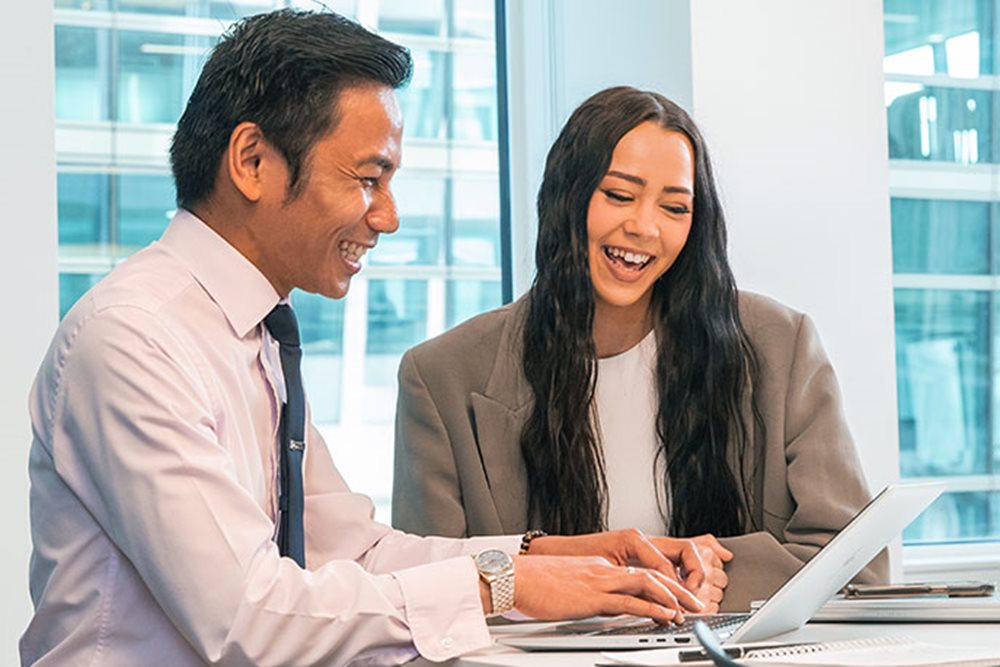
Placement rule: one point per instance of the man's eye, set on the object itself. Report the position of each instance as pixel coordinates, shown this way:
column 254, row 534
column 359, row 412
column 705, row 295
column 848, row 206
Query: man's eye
column 617, row 196
column 369, row 181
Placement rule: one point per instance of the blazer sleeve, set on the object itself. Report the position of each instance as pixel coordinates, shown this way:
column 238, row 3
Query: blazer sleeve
column 821, row 473
column 426, row 494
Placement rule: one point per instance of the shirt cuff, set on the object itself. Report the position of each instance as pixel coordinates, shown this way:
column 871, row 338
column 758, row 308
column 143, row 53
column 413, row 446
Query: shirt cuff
column 443, row 608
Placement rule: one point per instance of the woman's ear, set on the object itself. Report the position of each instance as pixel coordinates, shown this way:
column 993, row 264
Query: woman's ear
column 245, row 158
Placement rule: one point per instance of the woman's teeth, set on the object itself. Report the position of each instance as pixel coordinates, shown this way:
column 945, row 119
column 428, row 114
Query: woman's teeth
column 633, row 258
column 352, row 251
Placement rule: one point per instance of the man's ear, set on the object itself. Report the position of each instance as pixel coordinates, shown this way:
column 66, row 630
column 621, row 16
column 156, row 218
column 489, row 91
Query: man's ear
column 248, row 160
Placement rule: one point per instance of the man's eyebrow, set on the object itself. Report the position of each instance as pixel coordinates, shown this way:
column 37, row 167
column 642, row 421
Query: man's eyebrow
column 379, row 161
column 638, row 180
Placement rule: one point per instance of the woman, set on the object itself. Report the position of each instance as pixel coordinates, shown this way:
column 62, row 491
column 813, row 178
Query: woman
column 633, row 385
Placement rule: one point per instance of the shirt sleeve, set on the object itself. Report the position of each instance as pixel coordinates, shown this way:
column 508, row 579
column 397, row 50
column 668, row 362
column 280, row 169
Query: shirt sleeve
column 134, row 432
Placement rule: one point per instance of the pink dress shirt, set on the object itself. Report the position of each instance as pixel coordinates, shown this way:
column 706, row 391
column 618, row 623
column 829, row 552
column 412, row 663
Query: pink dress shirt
column 153, row 493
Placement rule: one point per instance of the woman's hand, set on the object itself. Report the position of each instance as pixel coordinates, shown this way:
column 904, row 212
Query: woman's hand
column 708, row 585
column 697, row 563
column 560, row 588
column 632, row 548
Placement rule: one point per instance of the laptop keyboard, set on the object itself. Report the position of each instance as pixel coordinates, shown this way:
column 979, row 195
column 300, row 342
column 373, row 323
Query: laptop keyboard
column 711, row 620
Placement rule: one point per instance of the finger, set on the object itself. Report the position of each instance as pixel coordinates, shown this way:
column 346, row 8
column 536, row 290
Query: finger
column 710, row 594
column 614, row 604
column 684, row 596
column 649, row 556
column 717, row 578
column 713, row 577
column 687, row 553
column 716, row 546
column 693, row 564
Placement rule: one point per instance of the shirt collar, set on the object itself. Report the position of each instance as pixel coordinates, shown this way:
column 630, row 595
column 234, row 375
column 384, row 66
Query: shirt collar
column 238, row 287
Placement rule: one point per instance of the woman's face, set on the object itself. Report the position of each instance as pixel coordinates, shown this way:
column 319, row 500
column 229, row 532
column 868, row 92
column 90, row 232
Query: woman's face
column 640, row 215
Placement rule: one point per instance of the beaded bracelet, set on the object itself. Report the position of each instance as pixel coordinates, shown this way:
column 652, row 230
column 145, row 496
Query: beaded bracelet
column 526, row 540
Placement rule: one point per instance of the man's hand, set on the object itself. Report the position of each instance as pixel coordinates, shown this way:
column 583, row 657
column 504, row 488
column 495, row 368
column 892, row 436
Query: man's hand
column 710, row 584
column 560, row 588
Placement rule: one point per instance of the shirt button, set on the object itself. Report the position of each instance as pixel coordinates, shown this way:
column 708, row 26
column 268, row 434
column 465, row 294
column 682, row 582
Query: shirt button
column 447, row 643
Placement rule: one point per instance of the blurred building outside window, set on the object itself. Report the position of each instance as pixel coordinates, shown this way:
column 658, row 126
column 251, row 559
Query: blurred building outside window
column 124, row 70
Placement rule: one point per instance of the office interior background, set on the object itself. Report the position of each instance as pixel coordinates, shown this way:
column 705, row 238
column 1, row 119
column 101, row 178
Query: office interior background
column 856, row 147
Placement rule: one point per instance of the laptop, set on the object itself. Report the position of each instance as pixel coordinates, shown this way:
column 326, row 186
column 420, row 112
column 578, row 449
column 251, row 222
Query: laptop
column 787, row 609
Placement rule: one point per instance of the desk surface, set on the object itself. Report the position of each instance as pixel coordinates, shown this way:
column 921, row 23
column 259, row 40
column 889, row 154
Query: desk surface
column 982, row 634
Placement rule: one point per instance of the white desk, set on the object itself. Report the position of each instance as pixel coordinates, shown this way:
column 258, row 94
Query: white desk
column 981, row 634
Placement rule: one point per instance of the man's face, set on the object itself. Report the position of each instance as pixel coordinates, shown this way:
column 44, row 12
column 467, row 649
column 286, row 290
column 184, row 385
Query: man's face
column 315, row 240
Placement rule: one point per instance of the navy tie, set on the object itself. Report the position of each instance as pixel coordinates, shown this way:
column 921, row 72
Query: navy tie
column 291, row 435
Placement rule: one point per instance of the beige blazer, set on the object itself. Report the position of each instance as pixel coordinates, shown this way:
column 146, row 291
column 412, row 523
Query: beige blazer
column 463, row 399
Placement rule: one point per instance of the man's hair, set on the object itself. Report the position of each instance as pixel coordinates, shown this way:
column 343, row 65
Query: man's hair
column 283, row 71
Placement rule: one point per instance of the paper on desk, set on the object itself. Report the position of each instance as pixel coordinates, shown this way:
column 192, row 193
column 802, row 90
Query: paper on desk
column 915, row 654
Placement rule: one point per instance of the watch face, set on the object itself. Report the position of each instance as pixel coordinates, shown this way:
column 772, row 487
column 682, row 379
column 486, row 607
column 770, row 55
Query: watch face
column 493, row 561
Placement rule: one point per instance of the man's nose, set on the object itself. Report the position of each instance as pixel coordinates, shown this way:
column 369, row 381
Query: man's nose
column 383, row 215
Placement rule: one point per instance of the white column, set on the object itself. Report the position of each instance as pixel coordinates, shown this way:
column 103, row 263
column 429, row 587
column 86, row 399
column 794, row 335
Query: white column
column 789, row 97
column 28, row 270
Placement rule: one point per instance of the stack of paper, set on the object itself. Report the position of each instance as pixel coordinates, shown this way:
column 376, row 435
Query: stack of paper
column 910, row 609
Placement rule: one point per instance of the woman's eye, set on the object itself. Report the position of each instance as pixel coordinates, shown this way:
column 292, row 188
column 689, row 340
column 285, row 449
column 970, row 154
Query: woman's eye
column 677, row 210
column 617, row 196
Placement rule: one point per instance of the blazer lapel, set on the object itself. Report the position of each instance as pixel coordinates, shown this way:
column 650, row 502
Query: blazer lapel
column 499, row 429
column 499, row 413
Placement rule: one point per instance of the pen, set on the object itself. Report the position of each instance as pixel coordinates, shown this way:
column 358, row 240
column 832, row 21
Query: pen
column 698, row 655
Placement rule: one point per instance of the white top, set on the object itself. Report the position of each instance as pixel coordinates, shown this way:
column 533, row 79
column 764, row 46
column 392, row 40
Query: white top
column 626, row 402
column 153, row 468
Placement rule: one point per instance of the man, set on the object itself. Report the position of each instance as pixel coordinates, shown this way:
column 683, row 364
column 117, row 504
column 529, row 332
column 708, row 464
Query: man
column 168, row 516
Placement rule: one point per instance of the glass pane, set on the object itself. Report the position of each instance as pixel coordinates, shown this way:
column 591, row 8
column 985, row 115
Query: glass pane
column 475, row 240
column 167, row 7
column 421, row 222
column 475, row 97
column 474, row 19
column 423, row 101
column 957, row 516
column 942, row 365
column 87, row 5
column 467, row 298
column 83, row 212
column 940, row 236
column 415, row 17
column 83, row 73
column 397, row 318
column 145, row 206
column 946, row 124
column 156, row 74
column 72, row 286
column 953, row 38
column 321, row 327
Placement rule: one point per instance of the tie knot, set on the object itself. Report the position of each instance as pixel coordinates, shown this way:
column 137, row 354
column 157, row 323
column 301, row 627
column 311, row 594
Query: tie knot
column 282, row 324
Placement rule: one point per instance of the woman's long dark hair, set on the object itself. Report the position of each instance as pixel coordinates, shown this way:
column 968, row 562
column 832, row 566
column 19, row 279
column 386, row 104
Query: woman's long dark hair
column 706, row 367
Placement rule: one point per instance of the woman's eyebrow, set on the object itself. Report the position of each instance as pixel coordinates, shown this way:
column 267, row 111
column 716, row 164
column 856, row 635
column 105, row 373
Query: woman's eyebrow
column 638, row 180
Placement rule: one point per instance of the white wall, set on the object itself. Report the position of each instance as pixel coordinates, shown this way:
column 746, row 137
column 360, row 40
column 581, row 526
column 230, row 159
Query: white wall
column 29, row 273
column 789, row 96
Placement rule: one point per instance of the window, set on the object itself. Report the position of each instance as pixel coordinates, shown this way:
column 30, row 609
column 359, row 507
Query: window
column 124, row 70
column 941, row 95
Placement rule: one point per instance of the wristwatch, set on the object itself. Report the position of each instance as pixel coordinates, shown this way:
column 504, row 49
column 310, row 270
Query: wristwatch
column 496, row 568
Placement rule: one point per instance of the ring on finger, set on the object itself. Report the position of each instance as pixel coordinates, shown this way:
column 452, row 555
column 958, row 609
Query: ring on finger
column 630, row 570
